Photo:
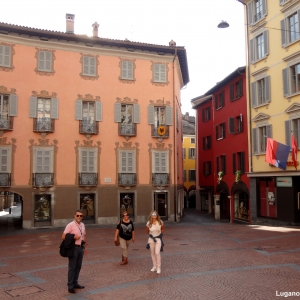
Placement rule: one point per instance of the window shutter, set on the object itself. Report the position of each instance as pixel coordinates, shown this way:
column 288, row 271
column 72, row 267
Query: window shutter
column 163, row 73
column 224, row 129
column 264, row 8
column 84, row 160
column 6, row 56
column 224, row 164
column 222, row 99
column 254, row 138
column 164, row 162
column 13, row 105
column 190, row 153
column 124, row 69
column 234, row 163
column 47, row 161
column 269, row 131
column 184, row 152
column 266, row 42
column 156, row 73
column 288, row 140
column 231, row 92
column 129, row 70
column 136, row 113
column 117, row 113
column 91, row 161
column 78, row 110
column 283, row 32
column 5, row 160
column 48, row 61
column 54, row 108
column 41, row 61
column 150, row 114
column 217, row 132
column 253, row 94
column 281, row 2
column 250, row 12
column 216, row 102
column 252, row 51
column 243, row 162
column 240, row 123
column 92, row 66
column 98, row 111
column 285, row 77
column 33, row 107
column 231, row 128
column 267, row 89
column 241, row 87
column 298, row 13
column 85, row 66
column 169, row 119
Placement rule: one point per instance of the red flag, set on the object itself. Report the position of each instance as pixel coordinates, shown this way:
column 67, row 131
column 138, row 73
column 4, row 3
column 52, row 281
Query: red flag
column 294, row 151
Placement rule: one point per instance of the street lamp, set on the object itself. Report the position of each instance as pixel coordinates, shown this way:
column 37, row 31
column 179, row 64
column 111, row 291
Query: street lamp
column 223, row 24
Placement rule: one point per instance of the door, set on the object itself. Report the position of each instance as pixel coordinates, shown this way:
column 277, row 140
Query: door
column 161, row 204
column 126, row 203
column 224, row 206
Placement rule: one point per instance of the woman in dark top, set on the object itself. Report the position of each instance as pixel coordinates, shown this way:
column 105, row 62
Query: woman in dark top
column 125, row 231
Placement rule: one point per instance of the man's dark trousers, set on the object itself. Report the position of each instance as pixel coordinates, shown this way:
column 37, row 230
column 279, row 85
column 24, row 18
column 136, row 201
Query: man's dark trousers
column 75, row 263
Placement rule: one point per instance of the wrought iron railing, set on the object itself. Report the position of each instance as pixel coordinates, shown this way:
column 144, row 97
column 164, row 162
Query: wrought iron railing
column 42, row 179
column 43, row 124
column 6, row 122
column 127, row 129
column 5, row 179
column 160, row 179
column 88, row 179
column 127, row 179
column 160, row 131
column 88, row 127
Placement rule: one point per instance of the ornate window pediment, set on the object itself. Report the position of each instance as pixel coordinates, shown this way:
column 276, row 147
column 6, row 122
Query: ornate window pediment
column 261, row 117
column 295, row 107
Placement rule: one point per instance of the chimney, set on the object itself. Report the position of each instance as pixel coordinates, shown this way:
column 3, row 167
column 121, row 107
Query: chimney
column 95, row 29
column 172, row 43
column 70, row 23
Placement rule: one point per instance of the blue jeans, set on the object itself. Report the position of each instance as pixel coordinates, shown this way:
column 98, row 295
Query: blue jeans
column 75, row 263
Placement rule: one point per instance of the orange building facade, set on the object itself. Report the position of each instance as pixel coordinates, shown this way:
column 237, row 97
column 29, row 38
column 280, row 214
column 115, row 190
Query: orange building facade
column 90, row 123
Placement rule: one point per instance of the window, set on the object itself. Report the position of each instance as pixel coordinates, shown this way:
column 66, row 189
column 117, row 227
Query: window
column 290, row 28
column 127, row 70
column 206, row 168
column 221, row 164
column 281, row 2
column 219, row 100
column 8, row 109
column 259, row 136
column 236, row 90
column 45, row 61
column 260, row 90
column 87, row 160
column 257, row 10
column 159, row 73
column 160, row 163
column 207, row 142
column 5, row 166
column 192, row 140
column 220, row 131
column 235, row 124
column 238, row 162
column 43, row 111
column 259, row 47
column 192, row 153
column 89, row 66
column 292, row 127
column 291, row 80
column 88, row 113
column 192, row 175
column 5, row 56
column 206, row 114
column 184, row 152
column 160, row 118
column 127, row 161
column 184, row 175
column 127, row 115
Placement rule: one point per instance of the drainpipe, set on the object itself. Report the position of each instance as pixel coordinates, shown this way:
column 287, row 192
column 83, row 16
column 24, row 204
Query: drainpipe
column 174, row 137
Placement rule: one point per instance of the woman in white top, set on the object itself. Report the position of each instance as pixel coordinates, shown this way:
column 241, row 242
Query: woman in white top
column 155, row 228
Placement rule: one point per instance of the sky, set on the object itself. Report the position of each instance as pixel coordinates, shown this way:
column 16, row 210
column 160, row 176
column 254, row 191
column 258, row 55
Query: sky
column 212, row 53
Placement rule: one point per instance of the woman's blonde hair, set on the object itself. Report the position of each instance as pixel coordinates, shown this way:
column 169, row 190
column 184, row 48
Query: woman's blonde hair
column 150, row 218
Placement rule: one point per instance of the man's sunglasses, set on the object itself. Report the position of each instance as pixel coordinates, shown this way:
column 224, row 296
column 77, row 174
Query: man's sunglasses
column 80, row 216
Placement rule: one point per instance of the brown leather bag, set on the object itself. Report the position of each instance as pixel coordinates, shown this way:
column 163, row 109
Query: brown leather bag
column 117, row 243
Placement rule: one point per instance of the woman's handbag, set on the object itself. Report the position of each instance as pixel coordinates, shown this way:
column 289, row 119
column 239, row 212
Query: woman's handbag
column 117, row 243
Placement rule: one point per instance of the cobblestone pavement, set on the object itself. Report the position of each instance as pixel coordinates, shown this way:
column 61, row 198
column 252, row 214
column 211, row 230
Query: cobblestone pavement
column 202, row 259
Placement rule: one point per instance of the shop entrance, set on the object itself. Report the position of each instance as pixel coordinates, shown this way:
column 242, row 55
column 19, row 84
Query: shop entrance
column 224, row 206
column 126, row 203
column 161, row 204
column 87, row 205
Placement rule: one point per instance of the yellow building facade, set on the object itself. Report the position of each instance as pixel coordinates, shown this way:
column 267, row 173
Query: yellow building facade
column 273, row 61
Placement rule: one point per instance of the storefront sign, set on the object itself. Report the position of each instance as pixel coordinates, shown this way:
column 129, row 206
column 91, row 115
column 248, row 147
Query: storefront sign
column 284, row 182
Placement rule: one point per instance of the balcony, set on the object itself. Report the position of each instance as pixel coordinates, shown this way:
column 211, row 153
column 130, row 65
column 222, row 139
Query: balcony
column 88, row 127
column 42, row 179
column 87, row 179
column 6, row 123
column 127, row 179
column 4, row 179
column 127, row 129
column 160, row 131
column 44, row 124
column 160, row 179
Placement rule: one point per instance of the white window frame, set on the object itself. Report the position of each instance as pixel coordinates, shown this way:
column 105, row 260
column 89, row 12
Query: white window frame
column 159, row 156
column 126, row 156
column 5, row 56
column 7, row 166
column 159, row 73
column 286, row 39
column 261, row 96
column 80, row 161
column 287, row 80
column 259, row 138
column 45, row 167
column 262, row 47
column 45, row 63
column 192, row 153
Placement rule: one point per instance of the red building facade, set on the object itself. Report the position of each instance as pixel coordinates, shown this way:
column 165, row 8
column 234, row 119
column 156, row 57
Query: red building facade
column 222, row 149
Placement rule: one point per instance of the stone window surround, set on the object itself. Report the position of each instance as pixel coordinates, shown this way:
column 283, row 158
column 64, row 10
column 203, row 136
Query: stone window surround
column 36, row 56
column 128, row 81
column 86, row 77
column 12, row 53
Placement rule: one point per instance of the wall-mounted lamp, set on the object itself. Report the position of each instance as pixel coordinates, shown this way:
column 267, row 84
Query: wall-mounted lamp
column 223, row 24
